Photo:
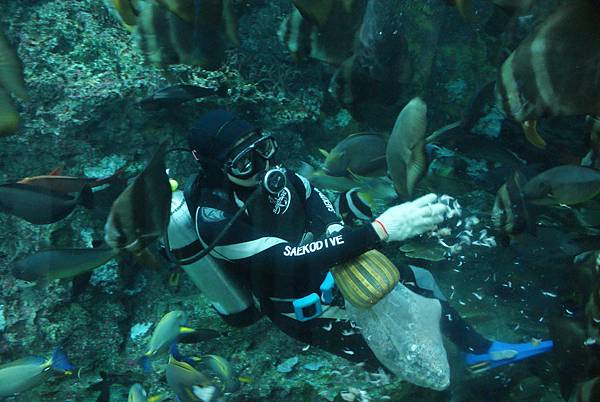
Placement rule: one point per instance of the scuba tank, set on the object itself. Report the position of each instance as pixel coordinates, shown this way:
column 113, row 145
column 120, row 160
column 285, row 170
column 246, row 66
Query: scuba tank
column 216, row 281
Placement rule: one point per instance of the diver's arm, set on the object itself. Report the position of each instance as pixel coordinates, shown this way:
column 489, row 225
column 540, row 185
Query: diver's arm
column 243, row 244
column 318, row 207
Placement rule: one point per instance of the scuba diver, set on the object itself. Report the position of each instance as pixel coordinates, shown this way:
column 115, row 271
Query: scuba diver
column 259, row 239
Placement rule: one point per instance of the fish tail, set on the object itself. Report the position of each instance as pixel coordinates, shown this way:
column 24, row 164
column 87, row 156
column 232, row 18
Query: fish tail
column 174, row 351
column 86, row 197
column 156, row 398
column 61, row 363
column 146, row 364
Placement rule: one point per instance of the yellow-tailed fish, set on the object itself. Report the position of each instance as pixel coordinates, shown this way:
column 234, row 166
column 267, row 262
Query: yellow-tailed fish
column 132, row 228
column 405, row 152
column 39, row 205
column 24, row 374
column 11, row 70
column 222, row 369
column 189, row 384
column 61, row 263
column 567, row 184
column 71, row 184
column 362, row 154
column 138, row 394
column 170, row 326
column 321, row 179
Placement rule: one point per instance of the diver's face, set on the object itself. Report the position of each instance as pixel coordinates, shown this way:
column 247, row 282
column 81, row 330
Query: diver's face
column 250, row 157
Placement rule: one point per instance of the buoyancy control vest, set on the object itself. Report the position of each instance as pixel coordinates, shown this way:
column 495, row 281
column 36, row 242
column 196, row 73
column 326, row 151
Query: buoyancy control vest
column 219, row 284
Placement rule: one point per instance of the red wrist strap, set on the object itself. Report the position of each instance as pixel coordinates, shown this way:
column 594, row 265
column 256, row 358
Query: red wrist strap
column 383, row 227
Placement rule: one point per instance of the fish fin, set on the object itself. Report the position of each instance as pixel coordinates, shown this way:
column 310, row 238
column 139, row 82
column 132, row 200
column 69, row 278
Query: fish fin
column 315, row 11
column 532, row 135
column 306, row 170
column 174, row 352
column 57, row 171
column 230, row 23
column 198, row 335
column 126, row 12
column 377, row 159
column 174, row 279
column 145, row 363
column 156, row 398
column 465, row 8
column 86, row 197
column 186, row 330
column 59, row 362
column 324, row 153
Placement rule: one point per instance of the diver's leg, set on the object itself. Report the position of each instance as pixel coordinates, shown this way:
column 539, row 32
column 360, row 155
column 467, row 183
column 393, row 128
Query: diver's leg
column 480, row 353
column 462, row 334
column 334, row 336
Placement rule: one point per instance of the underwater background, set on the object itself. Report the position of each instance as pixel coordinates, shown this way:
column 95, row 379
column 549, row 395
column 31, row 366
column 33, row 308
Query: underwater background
column 90, row 109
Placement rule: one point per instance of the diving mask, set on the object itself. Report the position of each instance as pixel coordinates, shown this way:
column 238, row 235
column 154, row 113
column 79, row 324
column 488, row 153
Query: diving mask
column 244, row 163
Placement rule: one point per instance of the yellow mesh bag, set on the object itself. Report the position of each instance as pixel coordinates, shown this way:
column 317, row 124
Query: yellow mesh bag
column 366, row 279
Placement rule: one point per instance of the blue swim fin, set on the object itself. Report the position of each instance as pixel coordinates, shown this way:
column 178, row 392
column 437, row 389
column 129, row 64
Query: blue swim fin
column 500, row 354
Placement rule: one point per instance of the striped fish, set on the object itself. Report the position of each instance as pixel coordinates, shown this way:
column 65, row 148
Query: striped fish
column 366, row 279
column 324, row 30
column 140, row 214
column 186, row 32
column 554, row 71
column 510, row 216
column 380, row 62
column 126, row 10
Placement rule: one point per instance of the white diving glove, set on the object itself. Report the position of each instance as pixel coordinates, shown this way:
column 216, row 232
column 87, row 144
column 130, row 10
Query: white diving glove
column 410, row 219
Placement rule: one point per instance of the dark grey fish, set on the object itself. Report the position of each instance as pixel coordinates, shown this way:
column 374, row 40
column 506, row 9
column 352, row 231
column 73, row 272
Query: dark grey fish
column 140, row 214
column 362, row 154
column 39, row 205
column 380, row 62
column 405, row 152
column 174, row 96
column 61, row 263
column 566, row 184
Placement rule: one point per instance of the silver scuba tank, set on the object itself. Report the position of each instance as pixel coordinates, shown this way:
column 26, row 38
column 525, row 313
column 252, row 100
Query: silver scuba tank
column 225, row 292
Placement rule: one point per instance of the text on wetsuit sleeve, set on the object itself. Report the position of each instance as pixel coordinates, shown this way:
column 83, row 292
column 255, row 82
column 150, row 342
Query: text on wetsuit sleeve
column 290, row 251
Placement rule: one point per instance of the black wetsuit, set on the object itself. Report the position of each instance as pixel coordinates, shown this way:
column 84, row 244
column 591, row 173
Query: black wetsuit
column 277, row 246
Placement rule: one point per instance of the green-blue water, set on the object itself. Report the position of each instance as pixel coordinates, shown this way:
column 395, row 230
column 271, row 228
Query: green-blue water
column 92, row 87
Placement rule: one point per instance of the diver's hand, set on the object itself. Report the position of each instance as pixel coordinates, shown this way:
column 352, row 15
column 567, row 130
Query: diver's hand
column 410, row 219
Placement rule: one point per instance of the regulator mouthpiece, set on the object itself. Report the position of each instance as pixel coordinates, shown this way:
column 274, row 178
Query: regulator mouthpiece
column 274, row 180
